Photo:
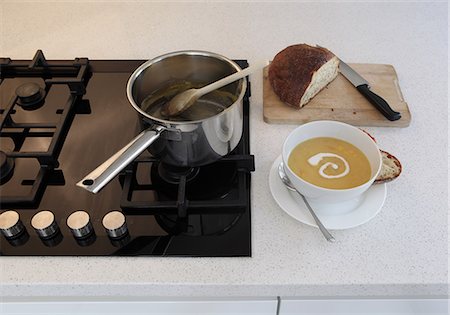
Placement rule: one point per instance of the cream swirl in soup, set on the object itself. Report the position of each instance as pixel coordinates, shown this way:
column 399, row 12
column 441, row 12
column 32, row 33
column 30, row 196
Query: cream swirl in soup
column 315, row 160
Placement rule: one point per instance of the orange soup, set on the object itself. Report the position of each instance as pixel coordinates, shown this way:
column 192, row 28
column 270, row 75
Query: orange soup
column 330, row 163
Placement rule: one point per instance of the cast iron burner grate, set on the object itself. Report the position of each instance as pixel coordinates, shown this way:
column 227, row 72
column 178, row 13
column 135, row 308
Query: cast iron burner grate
column 196, row 196
column 30, row 96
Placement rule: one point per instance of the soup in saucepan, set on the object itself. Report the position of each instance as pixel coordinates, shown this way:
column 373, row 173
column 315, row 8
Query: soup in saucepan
column 330, row 163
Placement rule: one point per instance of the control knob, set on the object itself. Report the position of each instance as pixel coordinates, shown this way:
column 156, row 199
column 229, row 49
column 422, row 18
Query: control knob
column 114, row 224
column 10, row 224
column 44, row 223
column 80, row 224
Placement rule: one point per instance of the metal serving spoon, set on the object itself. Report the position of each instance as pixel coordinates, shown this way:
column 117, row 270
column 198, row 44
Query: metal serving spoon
column 287, row 182
column 186, row 99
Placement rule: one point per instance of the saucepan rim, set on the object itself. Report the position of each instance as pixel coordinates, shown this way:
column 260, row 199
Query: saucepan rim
column 148, row 63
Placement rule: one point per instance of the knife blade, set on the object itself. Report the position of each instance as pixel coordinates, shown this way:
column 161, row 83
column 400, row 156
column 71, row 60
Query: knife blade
column 364, row 88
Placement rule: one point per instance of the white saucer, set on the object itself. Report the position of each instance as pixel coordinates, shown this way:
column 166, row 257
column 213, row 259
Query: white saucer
column 346, row 214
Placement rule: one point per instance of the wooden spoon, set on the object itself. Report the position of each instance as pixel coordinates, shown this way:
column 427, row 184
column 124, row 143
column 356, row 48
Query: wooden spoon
column 186, row 99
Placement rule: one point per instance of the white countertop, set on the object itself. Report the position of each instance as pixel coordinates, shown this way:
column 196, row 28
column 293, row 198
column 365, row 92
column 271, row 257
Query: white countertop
column 403, row 251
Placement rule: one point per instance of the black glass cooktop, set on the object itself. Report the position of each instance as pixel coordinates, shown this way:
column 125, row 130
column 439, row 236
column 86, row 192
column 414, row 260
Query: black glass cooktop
column 59, row 121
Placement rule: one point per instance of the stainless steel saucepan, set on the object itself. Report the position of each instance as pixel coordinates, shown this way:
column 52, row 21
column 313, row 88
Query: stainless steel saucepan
column 203, row 134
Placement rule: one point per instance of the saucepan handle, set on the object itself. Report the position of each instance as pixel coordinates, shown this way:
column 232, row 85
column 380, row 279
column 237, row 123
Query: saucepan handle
column 104, row 173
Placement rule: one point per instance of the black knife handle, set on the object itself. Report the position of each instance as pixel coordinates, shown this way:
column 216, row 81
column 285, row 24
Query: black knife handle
column 379, row 103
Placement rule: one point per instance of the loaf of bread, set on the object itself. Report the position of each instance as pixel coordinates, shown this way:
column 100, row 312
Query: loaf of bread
column 390, row 169
column 299, row 72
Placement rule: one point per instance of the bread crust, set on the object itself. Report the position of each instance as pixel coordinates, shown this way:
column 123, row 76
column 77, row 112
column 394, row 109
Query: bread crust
column 292, row 70
column 388, row 173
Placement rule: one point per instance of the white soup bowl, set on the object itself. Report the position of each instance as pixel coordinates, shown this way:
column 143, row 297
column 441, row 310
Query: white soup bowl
column 342, row 131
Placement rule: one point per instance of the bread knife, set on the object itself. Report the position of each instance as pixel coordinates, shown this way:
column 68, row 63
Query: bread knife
column 364, row 88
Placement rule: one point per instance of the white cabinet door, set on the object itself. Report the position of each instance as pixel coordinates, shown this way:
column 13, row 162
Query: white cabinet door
column 364, row 307
column 211, row 307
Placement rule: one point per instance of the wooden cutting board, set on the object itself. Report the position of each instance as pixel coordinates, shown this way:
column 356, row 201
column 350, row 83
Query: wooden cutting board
column 341, row 101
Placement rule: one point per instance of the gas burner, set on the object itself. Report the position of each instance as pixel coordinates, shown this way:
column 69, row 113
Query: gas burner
column 30, row 96
column 22, row 129
column 202, row 182
column 172, row 174
column 7, row 167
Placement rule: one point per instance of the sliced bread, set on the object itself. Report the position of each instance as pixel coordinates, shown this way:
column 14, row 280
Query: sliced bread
column 390, row 169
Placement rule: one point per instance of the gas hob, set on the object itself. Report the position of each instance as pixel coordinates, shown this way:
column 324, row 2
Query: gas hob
column 62, row 118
